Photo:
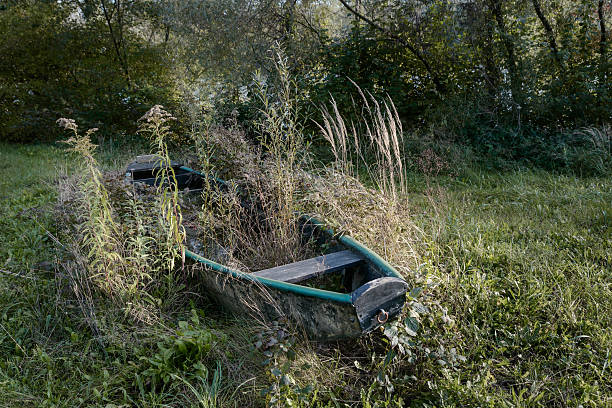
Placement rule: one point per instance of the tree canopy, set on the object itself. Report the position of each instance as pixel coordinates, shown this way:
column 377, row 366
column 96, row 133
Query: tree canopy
column 542, row 63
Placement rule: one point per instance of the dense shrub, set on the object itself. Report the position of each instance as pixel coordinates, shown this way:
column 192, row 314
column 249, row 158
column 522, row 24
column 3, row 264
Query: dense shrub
column 56, row 62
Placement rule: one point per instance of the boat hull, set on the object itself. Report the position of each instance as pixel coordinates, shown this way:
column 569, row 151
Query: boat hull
column 323, row 320
column 322, row 315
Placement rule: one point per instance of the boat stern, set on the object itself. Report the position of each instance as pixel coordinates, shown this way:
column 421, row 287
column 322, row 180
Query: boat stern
column 379, row 300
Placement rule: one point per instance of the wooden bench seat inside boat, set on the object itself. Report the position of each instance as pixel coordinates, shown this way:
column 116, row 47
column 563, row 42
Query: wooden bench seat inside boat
column 310, row 268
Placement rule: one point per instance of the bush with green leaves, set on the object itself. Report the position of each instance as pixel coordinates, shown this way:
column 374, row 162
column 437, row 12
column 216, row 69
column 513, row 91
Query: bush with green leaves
column 61, row 61
column 184, row 354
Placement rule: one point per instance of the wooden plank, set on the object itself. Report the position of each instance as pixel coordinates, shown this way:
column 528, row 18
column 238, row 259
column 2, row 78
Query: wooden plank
column 302, row 270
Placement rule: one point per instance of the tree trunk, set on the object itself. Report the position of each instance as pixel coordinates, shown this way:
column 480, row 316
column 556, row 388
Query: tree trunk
column 549, row 34
column 117, row 41
column 289, row 18
column 515, row 84
column 602, row 29
column 492, row 74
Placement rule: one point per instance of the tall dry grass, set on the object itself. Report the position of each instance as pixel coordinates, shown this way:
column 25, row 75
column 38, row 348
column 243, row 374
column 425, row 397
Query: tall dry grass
column 252, row 218
column 374, row 144
column 370, row 146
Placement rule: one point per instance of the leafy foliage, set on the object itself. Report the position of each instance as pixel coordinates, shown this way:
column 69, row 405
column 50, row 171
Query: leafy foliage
column 182, row 354
column 59, row 61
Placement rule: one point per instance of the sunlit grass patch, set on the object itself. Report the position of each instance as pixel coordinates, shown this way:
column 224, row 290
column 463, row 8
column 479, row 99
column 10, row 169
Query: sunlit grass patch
column 524, row 267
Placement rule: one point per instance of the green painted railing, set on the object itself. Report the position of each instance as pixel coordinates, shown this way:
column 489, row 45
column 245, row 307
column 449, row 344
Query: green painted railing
column 350, row 242
column 272, row 283
column 382, row 265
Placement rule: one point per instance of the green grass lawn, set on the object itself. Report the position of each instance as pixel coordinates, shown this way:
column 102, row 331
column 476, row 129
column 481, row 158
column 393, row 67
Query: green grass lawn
column 519, row 266
column 523, row 262
column 27, row 193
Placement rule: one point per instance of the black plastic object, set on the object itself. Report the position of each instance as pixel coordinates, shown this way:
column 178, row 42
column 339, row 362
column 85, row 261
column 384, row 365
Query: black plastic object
column 146, row 170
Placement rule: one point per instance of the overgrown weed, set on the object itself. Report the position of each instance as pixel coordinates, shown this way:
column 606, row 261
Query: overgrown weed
column 99, row 230
column 378, row 136
column 125, row 247
column 155, row 124
column 253, row 216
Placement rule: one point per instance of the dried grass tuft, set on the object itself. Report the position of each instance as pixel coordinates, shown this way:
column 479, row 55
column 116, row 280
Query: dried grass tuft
column 253, row 219
column 374, row 144
column 381, row 222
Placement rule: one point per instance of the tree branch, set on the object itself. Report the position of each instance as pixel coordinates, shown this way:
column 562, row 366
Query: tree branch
column 434, row 77
column 308, row 25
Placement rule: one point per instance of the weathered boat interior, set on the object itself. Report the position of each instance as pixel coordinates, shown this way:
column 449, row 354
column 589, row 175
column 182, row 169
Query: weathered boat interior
column 345, row 273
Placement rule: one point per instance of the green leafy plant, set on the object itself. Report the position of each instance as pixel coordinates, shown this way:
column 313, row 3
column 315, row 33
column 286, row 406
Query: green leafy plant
column 278, row 346
column 155, row 124
column 184, row 353
column 128, row 237
column 99, row 228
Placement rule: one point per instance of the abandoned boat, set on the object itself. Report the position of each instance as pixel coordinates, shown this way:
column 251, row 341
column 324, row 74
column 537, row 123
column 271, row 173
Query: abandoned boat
column 374, row 291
